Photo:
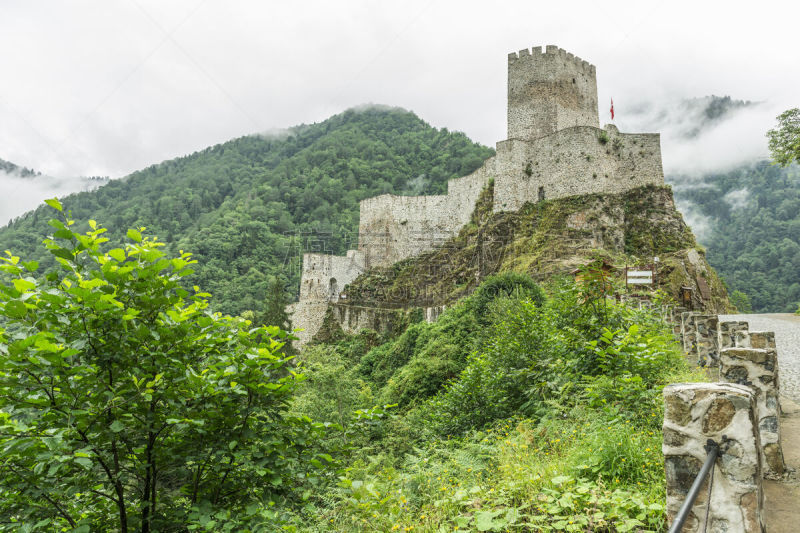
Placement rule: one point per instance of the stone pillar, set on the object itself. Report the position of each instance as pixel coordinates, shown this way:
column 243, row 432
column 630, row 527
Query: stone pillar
column 724, row 412
column 763, row 339
column 758, row 368
column 700, row 337
column 733, row 334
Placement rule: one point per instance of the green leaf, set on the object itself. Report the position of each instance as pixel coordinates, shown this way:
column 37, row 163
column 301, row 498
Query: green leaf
column 117, row 253
column 15, row 309
column 55, row 204
column 484, row 520
column 134, row 235
column 560, row 480
column 116, row 426
column 23, row 285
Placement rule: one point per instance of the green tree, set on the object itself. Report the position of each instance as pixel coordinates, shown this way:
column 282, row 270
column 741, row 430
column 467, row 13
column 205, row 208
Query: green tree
column 275, row 307
column 741, row 301
column 784, row 140
column 126, row 404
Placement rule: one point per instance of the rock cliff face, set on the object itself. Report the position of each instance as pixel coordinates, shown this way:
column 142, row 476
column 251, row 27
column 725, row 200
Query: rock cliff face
column 544, row 239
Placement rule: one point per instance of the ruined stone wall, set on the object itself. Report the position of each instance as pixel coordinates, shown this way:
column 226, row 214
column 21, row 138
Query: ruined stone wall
column 392, row 228
column 321, row 282
column 574, row 161
column 549, row 91
column 571, row 162
column 324, row 276
column 354, row 318
column 733, row 334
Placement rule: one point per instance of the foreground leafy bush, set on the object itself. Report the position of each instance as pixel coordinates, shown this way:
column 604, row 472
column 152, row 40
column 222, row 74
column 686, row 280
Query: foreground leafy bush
column 519, row 475
column 552, row 423
column 533, row 353
column 126, row 404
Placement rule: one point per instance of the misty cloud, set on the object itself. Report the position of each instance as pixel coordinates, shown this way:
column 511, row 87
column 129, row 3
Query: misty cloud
column 702, row 225
column 737, row 199
column 694, row 144
column 109, row 88
column 21, row 194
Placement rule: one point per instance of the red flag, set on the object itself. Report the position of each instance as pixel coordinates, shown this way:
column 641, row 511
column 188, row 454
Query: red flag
column 612, row 109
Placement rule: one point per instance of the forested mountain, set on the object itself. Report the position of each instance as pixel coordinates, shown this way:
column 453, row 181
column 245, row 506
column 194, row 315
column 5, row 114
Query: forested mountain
column 248, row 208
column 750, row 220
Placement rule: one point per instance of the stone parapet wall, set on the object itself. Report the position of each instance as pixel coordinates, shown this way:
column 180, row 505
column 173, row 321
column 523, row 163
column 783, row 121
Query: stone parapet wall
column 734, row 333
column 757, row 368
column 724, row 412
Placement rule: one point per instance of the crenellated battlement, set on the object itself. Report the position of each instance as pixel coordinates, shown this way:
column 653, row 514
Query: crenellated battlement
column 537, row 53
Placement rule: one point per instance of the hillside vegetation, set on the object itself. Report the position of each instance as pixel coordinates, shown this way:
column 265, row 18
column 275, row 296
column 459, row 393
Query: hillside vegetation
column 752, row 219
column 518, row 409
column 127, row 405
column 248, row 208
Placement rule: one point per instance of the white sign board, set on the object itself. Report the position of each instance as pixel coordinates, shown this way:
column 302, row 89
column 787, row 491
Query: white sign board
column 640, row 277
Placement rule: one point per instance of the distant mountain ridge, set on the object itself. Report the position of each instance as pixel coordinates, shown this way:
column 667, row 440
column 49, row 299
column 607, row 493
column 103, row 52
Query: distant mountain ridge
column 247, row 208
column 23, row 189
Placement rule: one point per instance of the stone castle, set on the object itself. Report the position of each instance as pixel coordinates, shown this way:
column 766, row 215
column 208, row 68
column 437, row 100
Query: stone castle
column 555, row 149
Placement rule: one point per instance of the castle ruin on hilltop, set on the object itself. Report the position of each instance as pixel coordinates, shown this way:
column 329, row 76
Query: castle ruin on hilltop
column 555, row 149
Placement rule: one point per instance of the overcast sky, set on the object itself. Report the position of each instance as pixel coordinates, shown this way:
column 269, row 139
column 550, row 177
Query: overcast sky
column 106, row 87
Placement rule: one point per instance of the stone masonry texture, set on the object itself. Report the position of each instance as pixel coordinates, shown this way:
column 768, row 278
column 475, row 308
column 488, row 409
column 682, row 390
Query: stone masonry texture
column 724, row 412
column 758, row 368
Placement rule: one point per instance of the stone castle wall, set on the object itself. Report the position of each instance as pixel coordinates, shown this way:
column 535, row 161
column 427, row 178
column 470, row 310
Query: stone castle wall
column 572, row 162
column 392, row 228
column 324, row 276
column 321, row 283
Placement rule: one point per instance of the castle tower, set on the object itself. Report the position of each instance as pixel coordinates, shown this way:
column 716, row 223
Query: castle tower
column 549, row 91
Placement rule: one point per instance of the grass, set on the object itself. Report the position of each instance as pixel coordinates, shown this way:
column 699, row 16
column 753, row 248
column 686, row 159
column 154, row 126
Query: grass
column 584, row 468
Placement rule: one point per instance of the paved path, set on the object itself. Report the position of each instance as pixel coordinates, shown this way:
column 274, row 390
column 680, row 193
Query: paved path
column 781, row 498
column 787, row 339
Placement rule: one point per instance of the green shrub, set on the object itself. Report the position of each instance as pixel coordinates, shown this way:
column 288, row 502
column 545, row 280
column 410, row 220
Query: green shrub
column 126, row 404
column 503, row 285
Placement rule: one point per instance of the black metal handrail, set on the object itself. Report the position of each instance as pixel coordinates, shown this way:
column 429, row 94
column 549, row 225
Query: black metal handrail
column 713, row 450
